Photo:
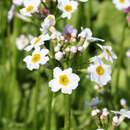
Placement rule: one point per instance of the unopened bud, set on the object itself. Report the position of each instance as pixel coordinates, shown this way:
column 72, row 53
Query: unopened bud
column 57, row 48
column 80, row 49
column 123, row 102
column 73, row 49
column 115, row 121
column 59, row 55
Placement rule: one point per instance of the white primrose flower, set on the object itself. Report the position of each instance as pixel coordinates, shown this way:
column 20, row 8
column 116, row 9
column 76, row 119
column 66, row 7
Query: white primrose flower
column 121, row 4
column 18, row 2
column 123, row 112
column 31, row 6
column 47, row 23
column 107, row 50
column 38, row 57
column 94, row 102
column 99, row 72
column 87, row 34
column 21, row 42
column 37, row 41
column 64, row 80
column 67, row 7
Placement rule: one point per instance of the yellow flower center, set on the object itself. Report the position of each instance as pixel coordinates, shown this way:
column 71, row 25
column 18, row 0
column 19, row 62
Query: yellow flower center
column 51, row 18
column 23, row 42
column 122, row 1
column 36, row 58
column 68, row 8
column 100, row 70
column 108, row 52
column 29, row 8
column 64, row 80
column 38, row 40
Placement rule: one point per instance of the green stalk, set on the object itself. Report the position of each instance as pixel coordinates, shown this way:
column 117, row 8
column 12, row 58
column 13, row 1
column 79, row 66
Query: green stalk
column 36, row 100
column 89, row 12
column 121, row 52
column 13, row 72
column 50, row 94
column 67, row 112
column 49, row 110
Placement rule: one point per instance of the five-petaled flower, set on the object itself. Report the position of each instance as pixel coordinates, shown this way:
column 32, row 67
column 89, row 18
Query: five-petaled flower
column 64, row 80
column 38, row 57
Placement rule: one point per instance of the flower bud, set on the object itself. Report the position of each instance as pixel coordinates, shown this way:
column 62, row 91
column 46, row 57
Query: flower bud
column 57, row 48
column 123, row 102
column 61, row 38
column 94, row 113
column 115, row 121
column 80, row 49
column 67, row 49
column 59, row 55
column 73, row 49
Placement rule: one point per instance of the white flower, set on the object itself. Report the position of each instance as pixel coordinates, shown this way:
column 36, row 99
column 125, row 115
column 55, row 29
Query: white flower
column 87, row 34
column 21, row 42
column 94, row 102
column 123, row 112
column 100, row 129
column 128, row 53
column 11, row 13
column 64, row 80
column 31, row 6
column 123, row 102
column 38, row 57
column 67, row 7
column 59, row 55
column 47, row 23
column 37, row 41
column 107, row 50
column 18, row 2
column 121, row 4
column 100, row 73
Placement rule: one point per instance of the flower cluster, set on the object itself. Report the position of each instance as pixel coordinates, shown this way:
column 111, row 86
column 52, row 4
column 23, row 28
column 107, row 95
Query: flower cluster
column 66, row 45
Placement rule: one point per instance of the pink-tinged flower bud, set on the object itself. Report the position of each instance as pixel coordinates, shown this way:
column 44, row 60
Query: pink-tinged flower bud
column 59, row 55
column 67, row 49
column 115, row 121
column 57, row 48
column 123, row 102
column 94, row 113
column 80, row 49
column 73, row 49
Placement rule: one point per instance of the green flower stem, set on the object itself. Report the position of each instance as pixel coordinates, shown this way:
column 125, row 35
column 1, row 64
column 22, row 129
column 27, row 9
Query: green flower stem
column 36, row 100
column 49, row 110
column 121, row 52
column 67, row 100
column 50, row 94
column 89, row 13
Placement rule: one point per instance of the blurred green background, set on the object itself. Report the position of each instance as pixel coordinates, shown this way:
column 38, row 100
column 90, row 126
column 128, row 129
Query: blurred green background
column 17, row 84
